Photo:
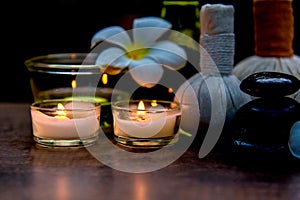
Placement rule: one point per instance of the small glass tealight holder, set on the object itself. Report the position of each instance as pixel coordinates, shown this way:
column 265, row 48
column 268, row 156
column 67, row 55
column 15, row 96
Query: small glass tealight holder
column 146, row 123
column 65, row 123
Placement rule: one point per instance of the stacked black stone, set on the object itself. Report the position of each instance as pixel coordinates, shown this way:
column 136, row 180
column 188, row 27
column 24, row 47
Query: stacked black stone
column 263, row 125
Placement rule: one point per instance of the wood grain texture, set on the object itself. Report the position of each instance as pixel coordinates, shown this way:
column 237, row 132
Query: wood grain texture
column 28, row 171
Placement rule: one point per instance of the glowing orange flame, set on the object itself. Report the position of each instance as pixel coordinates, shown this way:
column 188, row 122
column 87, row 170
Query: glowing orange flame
column 153, row 103
column 141, row 109
column 104, row 79
column 73, row 84
column 61, row 114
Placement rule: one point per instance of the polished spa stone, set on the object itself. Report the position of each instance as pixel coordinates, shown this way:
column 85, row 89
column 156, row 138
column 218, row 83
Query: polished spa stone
column 270, row 84
column 263, row 125
column 294, row 140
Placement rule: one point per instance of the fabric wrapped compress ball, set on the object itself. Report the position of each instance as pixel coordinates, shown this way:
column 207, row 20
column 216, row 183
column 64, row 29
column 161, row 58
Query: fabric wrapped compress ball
column 210, row 98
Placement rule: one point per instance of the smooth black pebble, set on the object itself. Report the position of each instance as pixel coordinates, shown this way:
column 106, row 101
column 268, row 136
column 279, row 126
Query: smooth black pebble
column 270, row 84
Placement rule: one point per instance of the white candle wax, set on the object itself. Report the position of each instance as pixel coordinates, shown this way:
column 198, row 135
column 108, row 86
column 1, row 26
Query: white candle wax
column 156, row 125
column 84, row 125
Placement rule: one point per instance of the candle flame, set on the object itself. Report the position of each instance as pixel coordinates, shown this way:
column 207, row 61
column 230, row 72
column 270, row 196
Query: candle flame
column 104, row 79
column 73, row 84
column 153, row 103
column 141, row 105
column 141, row 109
column 61, row 114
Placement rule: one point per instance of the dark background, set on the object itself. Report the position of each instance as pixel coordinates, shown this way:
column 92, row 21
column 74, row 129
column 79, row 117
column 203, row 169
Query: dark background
column 36, row 27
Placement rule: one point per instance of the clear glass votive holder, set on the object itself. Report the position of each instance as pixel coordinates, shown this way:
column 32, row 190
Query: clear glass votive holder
column 73, row 76
column 146, row 123
column 65, row 123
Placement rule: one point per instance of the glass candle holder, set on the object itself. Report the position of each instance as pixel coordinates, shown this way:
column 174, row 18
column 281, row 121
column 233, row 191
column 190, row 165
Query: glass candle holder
column 146, row 123
column 73, row 76
column 65, row 123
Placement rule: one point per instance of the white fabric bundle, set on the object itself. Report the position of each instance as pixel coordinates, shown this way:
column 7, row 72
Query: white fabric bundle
column 213, row 95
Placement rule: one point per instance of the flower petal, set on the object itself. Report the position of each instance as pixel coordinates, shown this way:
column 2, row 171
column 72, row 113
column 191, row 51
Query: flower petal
column 113, row 34
column 146, row 72
column 169, row 54
column 148, row 29
column 112, row 60
column 151, row 22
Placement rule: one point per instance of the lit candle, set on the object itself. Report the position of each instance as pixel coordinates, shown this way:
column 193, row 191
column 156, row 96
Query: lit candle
column 152, row 121
column 69, row 121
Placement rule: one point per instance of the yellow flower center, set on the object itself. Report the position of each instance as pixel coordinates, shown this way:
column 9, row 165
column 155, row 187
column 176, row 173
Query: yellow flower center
column 136, row 52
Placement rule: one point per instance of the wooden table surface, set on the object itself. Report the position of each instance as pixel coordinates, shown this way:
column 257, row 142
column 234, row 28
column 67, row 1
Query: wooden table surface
column 28, row 171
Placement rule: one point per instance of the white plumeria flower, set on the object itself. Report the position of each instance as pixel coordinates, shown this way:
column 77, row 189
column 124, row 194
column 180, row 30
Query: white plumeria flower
column 144, row 55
